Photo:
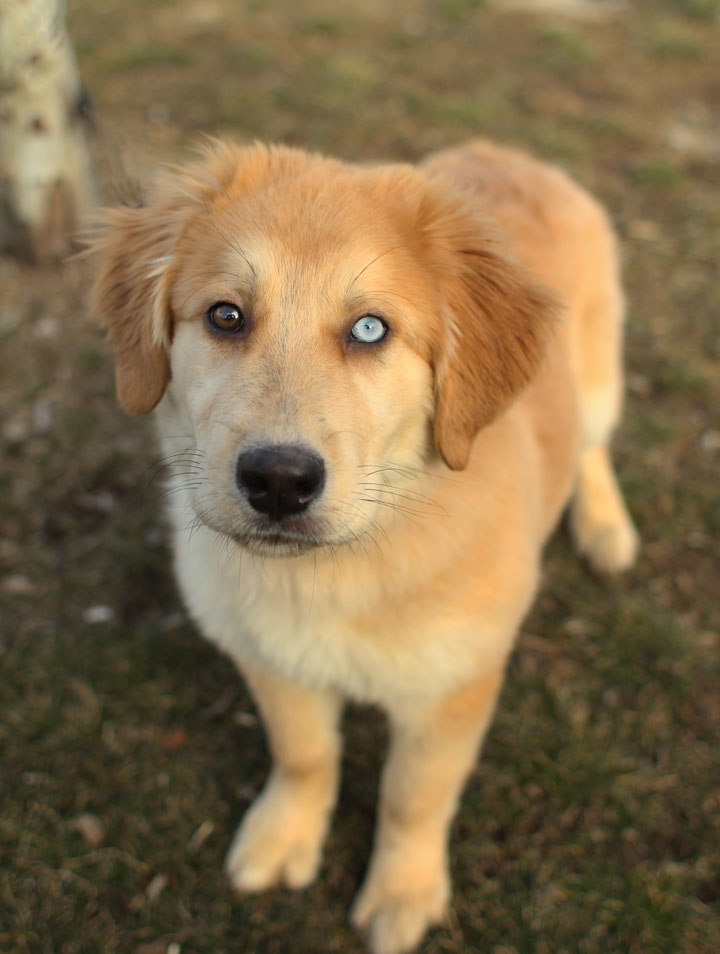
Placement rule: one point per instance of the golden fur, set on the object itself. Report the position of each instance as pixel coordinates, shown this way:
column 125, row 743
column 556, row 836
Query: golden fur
column 450, row 449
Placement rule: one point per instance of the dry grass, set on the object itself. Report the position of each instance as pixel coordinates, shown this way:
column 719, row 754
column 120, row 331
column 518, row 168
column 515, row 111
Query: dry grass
column 592, row 824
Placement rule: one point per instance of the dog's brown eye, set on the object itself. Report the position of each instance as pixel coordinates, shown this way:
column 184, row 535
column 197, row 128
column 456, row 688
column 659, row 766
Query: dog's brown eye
column 226, row 317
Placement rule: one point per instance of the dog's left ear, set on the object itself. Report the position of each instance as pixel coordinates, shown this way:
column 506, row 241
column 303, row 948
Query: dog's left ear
column 495, row 322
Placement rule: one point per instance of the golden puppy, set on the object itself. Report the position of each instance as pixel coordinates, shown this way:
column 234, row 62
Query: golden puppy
column 378, row 388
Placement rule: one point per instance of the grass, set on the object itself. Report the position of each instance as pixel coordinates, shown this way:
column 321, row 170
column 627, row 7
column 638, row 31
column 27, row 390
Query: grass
column 564, row 51
column 141, row 56
column 668, row 40
column 659, row 174
column 708, row 10
column 130, row 748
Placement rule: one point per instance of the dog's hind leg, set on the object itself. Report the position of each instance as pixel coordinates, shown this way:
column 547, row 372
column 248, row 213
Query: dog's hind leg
column 600, row 523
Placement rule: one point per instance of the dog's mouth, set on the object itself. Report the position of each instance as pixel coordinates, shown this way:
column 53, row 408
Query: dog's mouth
column 277, row 543
column 289, row 541
column 291, row 537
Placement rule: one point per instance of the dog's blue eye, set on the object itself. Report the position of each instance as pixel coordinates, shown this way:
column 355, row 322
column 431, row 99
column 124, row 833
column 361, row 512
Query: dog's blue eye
column 368, row 329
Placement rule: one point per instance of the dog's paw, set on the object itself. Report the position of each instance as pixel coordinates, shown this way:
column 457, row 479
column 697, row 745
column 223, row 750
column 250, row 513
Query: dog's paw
column 600, row 524
column 395, row 914
column 609, row 547
column 278, row 842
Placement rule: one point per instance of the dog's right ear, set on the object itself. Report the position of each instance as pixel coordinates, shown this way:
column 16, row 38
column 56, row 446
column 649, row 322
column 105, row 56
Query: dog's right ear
column 136, row 248
column 131, row 295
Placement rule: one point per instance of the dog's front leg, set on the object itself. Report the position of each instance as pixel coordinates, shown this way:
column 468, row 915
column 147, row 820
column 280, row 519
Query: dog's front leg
column 433, row 748
column 282, row 834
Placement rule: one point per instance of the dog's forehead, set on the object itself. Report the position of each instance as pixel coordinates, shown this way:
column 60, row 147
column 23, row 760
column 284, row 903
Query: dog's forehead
column 292, row 242
column 313, row 223
column 304, row 255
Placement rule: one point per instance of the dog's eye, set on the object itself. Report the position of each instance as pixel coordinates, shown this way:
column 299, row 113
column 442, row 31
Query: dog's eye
column 226, row 317
column 368, row 329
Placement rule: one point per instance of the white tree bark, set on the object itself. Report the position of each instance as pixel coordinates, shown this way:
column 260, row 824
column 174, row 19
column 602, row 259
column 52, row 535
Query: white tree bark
column 46, row 184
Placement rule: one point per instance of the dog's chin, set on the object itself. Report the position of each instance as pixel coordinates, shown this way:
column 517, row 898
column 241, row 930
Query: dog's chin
column 283, row 542
column 277, row 544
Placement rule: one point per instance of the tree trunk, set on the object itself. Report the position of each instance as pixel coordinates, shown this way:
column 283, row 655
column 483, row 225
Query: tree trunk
column 45, row 175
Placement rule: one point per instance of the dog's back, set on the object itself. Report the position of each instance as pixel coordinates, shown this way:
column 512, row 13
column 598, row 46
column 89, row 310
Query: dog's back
column 564, row 236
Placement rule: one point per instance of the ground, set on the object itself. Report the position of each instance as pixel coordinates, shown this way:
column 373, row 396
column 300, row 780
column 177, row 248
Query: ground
column 130, row 748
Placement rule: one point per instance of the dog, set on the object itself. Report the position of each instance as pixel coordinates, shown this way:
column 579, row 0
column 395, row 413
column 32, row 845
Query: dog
column 377, row 388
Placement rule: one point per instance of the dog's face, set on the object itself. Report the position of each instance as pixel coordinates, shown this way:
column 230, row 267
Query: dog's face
column 325, row 331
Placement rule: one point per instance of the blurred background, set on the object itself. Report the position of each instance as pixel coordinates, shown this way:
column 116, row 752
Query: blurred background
column 130, row 749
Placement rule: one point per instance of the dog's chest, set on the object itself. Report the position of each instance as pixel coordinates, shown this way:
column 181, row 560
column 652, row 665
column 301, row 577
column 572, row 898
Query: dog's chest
column 325, row 634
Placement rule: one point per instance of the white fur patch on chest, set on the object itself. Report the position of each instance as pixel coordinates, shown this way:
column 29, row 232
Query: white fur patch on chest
column 262, row 612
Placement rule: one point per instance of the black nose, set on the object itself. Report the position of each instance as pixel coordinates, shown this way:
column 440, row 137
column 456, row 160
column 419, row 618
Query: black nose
column 281, row 480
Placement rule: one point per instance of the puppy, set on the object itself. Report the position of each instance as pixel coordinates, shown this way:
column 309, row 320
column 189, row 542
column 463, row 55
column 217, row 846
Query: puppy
column 377, row 388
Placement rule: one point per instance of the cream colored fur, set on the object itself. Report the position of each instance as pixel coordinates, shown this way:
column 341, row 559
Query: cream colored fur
column 451, row 450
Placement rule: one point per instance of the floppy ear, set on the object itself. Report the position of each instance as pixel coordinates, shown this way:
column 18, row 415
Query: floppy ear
column 495, row 323
column 136, row 247
column 131, row 298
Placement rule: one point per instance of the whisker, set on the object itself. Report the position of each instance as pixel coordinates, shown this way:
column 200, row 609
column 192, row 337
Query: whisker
column 362, row 271
column 389, row 470
column 394, row 506
column 388, row 294
column 186, row 456
column 192, row 528
column 226, row 238
column 409, row 492
column 234, row 278
column 167, row 464
column 170, row 492
column 409, row 471
column 425, row 511
column 432, row 474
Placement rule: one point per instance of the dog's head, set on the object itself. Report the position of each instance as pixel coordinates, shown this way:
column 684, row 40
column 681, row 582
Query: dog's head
column 322, row 331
